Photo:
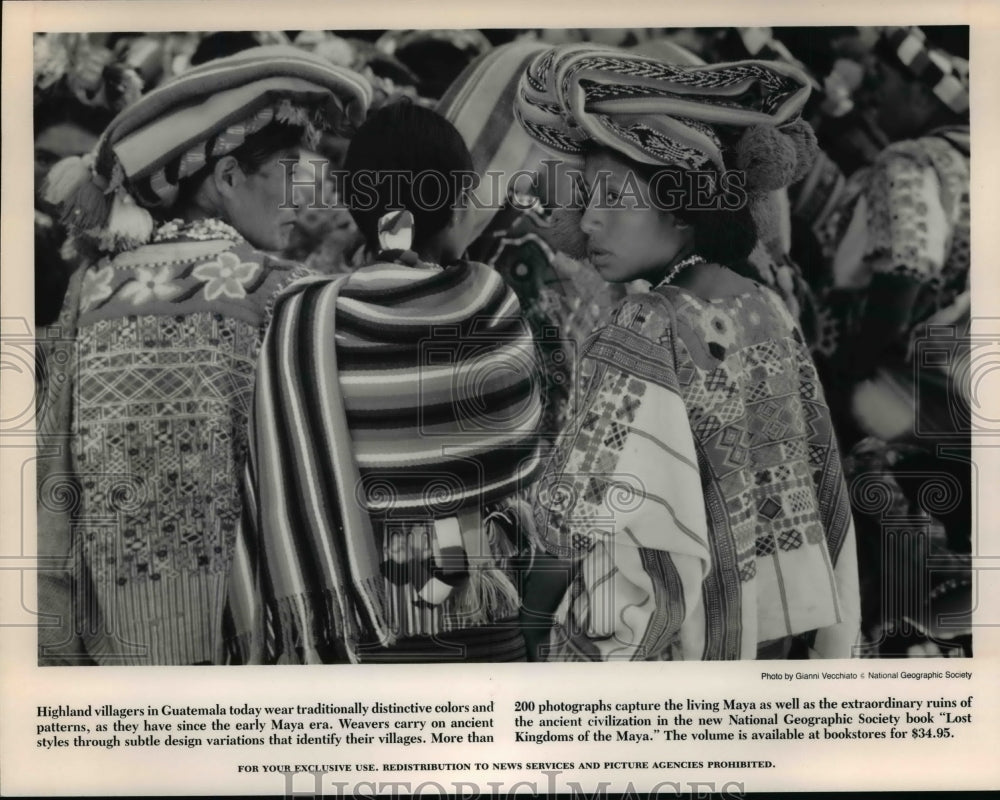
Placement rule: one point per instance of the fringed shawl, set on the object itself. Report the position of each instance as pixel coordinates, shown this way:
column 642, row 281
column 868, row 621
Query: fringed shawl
column 426, row 408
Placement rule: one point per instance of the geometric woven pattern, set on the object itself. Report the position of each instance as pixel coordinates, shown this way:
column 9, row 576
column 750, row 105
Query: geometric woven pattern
column 755, row 412
column 759, row 416
column 164, row 392
column 790, row 539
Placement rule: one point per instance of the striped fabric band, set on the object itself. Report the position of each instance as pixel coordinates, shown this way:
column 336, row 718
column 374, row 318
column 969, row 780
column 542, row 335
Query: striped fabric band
column 426, row 409
column 650, row 111
column 172, row 119
column 947, row 76
column 160, row 188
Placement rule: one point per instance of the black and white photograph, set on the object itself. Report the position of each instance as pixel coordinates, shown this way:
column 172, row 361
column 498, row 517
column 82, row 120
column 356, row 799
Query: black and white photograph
column 436, row 345
column 484, row 349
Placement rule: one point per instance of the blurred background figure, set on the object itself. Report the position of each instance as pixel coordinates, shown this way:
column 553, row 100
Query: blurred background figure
column 900, row 263
column 435, row 57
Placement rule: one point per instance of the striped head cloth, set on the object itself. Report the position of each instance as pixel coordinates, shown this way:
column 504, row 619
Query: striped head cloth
column 176, row 129
column 947, row 76
column 480, row 104
column 658, row 113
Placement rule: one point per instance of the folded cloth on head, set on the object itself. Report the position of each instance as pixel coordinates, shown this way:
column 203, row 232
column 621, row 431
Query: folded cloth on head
column 172, row 132
column 659, row 113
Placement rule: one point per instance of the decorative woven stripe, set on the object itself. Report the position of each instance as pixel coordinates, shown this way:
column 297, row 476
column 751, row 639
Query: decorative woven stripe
column 205, row 106
column 164, row 181
column 651, row 111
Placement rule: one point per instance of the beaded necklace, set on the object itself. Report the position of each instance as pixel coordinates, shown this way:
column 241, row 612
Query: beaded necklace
column 681, row 265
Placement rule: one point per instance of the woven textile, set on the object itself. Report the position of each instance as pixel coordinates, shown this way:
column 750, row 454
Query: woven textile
column 650, row 111
column 700, row 491
column 392, row 407
column 167, row 338
column 563, row 300
column 172, row 132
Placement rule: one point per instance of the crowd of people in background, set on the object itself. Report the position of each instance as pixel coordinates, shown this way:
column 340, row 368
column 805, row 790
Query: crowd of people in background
column 721, row 434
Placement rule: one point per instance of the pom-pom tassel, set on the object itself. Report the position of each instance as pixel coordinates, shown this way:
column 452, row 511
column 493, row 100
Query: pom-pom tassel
column 129, row 222
column 65, row 176
column 767, row 157
column 806, row 147
column 86, row 206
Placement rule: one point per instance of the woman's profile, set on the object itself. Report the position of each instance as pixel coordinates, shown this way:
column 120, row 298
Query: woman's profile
column 697, row 500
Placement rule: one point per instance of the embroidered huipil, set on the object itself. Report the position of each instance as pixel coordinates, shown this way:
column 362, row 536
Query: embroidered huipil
column 168, row 337
column 700, row 491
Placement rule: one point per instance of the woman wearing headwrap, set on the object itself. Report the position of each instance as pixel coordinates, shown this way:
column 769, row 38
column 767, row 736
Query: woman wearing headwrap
column 697, row 499
column 184, row 200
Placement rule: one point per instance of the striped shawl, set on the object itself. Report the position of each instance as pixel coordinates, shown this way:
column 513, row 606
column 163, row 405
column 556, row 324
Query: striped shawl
column 425, row 410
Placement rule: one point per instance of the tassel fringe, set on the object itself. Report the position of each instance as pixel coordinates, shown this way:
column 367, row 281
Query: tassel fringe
column 65, row 176
column 86, row 207
column 129, row 223
column 486, row 597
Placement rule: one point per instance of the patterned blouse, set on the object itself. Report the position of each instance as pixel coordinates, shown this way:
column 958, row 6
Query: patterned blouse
column 699, row 491
column 167, row 338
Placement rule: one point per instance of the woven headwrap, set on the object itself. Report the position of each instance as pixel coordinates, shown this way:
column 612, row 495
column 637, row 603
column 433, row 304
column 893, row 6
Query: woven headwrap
column 658, row 113
column 172, row 132
column 947, row 76
column 480, row 104
column 761, row 44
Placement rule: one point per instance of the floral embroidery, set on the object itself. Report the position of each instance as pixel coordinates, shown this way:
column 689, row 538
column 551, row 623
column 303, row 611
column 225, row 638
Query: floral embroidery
column 96, row 287
column 150, row 284
column 226, row 275
column 718, row 328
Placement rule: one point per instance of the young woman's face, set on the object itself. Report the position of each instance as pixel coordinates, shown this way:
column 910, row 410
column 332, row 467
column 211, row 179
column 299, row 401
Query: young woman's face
column 261, row 207
column 627, row 236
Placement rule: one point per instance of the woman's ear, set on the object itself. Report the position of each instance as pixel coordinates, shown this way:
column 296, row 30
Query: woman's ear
column 228, row 176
